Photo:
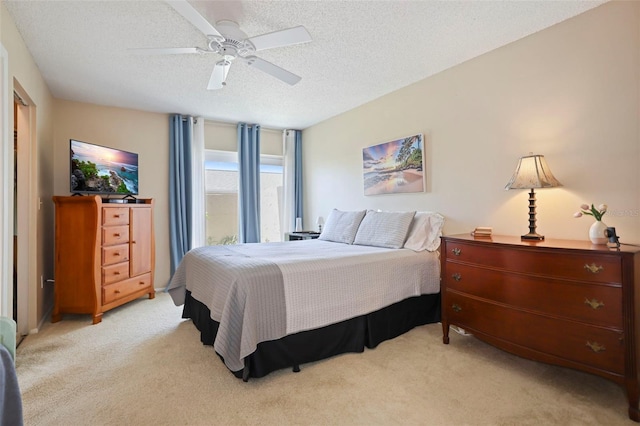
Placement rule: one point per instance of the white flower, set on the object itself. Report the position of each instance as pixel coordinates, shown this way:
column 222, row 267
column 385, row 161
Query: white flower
column 592, row 211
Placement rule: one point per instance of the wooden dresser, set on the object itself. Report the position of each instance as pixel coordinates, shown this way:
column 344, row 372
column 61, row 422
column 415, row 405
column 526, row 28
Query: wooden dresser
column 104, row 255
column 563, row 302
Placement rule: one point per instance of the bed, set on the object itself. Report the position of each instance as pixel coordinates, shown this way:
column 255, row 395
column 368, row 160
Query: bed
column 369, row 277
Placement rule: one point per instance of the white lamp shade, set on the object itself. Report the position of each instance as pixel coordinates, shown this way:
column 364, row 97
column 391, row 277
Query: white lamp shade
column 532, row 172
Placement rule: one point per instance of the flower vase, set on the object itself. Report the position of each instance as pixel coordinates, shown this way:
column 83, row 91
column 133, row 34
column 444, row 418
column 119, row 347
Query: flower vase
column 597, row 232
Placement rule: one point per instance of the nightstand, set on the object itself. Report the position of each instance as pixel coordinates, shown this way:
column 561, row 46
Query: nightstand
column 302, row 235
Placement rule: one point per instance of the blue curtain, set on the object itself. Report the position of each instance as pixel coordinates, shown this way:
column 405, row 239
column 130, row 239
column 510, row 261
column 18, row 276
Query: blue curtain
column 180, row 187
column 249, row 174
column 298, row 174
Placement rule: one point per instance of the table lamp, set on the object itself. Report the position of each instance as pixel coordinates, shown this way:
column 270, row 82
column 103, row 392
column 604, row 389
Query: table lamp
column 532, row 172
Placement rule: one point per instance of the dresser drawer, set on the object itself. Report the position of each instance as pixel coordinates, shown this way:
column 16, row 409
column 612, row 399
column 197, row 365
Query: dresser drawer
column 594, row 303
column 115, row 254
column 113, row 292
column 114, row 273
column 115, row 215
column 586, row 344
column 112, row 235
column 593, row 267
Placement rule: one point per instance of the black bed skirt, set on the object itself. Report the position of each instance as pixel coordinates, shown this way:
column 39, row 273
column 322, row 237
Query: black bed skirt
column 352, row 335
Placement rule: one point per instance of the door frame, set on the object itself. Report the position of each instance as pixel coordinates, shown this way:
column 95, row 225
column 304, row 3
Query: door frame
column 26, row 215
column 24, row 210
column 6, row 190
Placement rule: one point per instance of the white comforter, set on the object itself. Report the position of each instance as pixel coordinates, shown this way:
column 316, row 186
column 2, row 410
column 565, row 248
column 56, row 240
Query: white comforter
column 326, row 282
column 323, row 282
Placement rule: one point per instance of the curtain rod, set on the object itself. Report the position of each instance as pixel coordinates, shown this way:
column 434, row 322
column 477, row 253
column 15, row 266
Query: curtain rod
column 195, row 119
column 224, row 123
column 234, row 125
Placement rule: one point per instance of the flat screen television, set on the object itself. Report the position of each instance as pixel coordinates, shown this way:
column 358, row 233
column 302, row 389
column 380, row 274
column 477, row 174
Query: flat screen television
column 97, row 169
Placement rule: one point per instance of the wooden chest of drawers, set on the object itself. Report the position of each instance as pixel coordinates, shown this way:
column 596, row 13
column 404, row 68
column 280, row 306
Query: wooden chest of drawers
column 105, row 255
column 562, row 302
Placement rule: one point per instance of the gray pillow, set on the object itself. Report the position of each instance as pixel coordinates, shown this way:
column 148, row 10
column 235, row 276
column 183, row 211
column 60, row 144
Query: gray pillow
column 341, row 226
column 384, row 229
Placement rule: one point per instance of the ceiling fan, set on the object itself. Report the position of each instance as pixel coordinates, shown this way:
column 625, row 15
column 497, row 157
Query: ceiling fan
column 229, row 41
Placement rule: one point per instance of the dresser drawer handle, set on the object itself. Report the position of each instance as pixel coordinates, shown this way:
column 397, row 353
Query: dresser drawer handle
column 117, row 291
column 456, row 277
column 596, row 347
column 456, row 251
column 456, row 308
column 595, row 304
column 593, row 268
column 116, row 235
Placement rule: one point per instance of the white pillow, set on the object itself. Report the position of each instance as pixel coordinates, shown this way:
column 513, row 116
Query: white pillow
column 384, row 229
column 425, row 232
column 341, row 227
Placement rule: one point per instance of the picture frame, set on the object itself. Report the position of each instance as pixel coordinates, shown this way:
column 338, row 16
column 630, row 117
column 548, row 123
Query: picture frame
column 394, row 167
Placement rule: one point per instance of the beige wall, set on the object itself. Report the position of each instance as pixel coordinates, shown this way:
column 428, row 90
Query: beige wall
column 142, row 132
column 25, row 77
column 570, row 92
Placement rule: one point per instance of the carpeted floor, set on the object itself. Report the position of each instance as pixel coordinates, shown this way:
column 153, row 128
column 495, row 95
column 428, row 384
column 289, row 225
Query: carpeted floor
column 144, row 365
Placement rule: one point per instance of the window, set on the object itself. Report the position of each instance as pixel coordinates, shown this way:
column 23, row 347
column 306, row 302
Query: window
column 221, row 186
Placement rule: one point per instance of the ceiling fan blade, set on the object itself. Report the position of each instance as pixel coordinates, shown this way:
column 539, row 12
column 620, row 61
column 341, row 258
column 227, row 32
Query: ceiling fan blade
column 288, row 37
column 166, row 50
column 219, row 75
column 274, row 70
column 190, row 14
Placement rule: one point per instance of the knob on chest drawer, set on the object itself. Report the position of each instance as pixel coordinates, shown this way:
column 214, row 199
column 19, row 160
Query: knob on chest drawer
column 456, row 251
column 595, row 346
column 593, row 268
column 595, row 304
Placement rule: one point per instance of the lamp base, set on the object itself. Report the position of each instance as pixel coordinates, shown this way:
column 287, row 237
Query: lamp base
column 532, row 237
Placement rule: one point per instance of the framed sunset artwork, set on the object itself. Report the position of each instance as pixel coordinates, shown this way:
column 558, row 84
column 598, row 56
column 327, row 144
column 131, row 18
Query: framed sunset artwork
column 394, row 167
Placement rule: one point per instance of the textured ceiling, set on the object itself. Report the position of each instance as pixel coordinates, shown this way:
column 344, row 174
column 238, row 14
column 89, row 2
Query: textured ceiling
column 361, row 50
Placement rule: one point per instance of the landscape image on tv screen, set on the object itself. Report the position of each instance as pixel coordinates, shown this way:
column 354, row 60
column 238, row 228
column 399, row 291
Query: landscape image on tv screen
column 101, row 170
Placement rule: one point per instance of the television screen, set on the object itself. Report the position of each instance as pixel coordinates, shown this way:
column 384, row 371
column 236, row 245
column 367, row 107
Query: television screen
column 97, row 169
